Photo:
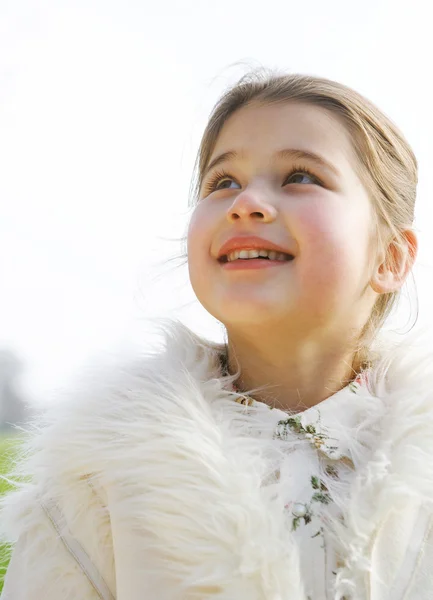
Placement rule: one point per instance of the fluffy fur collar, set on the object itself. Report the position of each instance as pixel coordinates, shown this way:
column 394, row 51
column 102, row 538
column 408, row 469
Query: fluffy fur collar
column 165, row 447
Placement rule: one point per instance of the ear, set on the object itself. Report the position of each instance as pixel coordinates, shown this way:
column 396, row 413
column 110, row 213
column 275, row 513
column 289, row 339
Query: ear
column 395, row 263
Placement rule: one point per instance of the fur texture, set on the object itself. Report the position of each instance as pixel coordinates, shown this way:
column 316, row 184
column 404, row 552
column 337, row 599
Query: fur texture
column 160, row 476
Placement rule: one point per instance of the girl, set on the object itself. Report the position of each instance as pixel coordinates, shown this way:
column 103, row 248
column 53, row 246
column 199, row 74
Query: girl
column 293, row 462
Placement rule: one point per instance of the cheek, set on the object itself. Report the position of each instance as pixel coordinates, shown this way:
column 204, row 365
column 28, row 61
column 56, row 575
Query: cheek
column 200, row 232
column 194, row 244
column 197, row 228
column 334, row 239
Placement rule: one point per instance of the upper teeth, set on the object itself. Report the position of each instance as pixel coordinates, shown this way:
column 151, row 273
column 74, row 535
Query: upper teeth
column 271, row 254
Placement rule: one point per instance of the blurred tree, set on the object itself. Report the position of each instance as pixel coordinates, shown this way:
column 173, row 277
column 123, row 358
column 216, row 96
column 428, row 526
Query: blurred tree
column 12, row 405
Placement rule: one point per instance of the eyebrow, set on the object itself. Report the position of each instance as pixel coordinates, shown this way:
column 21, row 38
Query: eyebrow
column 296, row 154
column 224, row 157
column 292, row 153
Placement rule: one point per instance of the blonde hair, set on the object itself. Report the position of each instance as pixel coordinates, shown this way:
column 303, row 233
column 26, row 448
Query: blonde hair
column 388, row 167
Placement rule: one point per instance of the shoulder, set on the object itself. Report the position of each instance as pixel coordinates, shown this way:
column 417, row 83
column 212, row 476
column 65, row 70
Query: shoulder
column 110, row 424
column 402, row 381
column 116, row 400
column 404, row 366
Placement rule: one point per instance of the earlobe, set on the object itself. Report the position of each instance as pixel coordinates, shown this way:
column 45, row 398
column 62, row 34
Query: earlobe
column 396, row 264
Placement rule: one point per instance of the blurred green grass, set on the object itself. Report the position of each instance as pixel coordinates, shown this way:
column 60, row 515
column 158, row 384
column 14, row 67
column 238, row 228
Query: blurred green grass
column 7, row 446
column 6, row 453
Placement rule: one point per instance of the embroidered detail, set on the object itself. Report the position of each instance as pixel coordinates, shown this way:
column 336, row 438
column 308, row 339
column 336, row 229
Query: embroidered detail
column 286, row 426
column 307, row 515
column 319, row 439
column 322, row 492
column 355, row 385
column 331, row 471
column 304, row 511
column 246, row 401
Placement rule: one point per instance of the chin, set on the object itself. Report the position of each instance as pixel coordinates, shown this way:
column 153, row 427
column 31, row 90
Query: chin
column 249, row 314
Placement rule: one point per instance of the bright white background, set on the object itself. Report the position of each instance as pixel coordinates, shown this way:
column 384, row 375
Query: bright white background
column 102, row 103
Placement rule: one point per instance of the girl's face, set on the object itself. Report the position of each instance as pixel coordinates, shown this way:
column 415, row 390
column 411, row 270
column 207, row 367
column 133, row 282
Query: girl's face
column 285, row 173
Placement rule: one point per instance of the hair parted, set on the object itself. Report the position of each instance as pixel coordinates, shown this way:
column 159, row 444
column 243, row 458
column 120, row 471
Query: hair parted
column 387, row 164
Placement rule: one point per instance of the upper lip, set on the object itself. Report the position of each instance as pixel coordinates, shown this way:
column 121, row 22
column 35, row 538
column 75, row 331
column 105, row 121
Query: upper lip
column 250, row 242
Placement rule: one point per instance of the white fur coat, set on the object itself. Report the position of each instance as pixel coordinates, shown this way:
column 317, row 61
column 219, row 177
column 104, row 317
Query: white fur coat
column 157, row 479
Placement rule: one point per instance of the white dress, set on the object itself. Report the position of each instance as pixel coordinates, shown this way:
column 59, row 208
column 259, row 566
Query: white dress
column 320, row 443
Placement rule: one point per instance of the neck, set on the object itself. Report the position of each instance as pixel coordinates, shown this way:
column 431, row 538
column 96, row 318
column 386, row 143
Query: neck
column 290, row 375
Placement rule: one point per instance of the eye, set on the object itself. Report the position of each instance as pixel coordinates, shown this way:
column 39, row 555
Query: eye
column 301, row 176
column 221, row 181
column 227, row 184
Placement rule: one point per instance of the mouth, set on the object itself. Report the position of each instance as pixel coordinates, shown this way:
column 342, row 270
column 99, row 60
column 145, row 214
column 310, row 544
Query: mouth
column 254, row 260
column 255, row 256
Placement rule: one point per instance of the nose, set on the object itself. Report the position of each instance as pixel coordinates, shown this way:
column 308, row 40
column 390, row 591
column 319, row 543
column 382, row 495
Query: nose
column 251, row 205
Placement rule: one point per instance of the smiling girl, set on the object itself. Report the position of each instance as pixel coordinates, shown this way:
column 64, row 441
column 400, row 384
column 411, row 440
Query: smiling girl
column 292, row 462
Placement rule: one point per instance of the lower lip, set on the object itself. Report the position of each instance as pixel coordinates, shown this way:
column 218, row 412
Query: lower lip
column 252, row 264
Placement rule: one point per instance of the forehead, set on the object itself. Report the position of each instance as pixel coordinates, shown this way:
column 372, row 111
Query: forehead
column 264, row 129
